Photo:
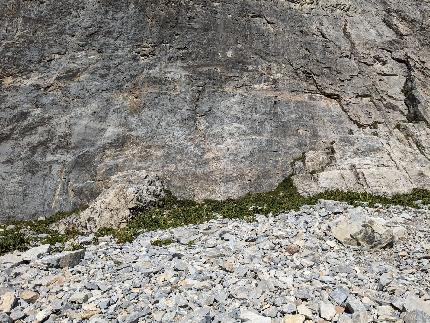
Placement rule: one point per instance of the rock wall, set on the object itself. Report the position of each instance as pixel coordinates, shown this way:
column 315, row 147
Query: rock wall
column 219, row 98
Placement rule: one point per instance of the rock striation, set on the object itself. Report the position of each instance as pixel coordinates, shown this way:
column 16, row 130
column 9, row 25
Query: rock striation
column 218, row 98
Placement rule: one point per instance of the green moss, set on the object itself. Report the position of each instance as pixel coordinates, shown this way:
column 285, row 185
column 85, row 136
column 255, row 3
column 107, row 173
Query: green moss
column 354, row 198
column 55, row 237
column 176, row 212
column 162, row 242
column 191, row 243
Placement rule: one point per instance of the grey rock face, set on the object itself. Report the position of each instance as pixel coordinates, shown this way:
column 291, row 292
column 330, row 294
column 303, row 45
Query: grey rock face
column 219, row 98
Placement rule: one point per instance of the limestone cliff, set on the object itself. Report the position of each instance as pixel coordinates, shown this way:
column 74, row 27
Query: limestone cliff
column 218, row 97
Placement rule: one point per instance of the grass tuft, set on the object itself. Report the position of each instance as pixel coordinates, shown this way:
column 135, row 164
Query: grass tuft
column 10, row 240
column 162, row 242
column 22, row 235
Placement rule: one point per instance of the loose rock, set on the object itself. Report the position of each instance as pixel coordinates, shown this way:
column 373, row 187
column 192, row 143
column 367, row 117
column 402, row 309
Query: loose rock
column 7, row 302
column 327, row 310
column 29, row 296
column 227, row 276
column 65, row 259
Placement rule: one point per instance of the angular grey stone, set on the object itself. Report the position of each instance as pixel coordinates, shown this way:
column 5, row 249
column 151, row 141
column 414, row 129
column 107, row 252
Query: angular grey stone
column 327, row 310
column 385, row 279
column 252, row 317
column 339, row 295
column 4, row 318
column 11, row 259
column 29, row 296
column 361, row 317
column 16, row 315
column 7, row 302
column 302, row 294
column 416, row 316
column 104, row 303
column 304, row 310
column 354, row 305
column 289, row 308
column 36, row 252
column 43, row 315
column 362, row 231
column 294, row 318
column 80, row 297
column 91, row 286
column 134, row 317
column 56, row 305
column 129, row 192
column 413, row 303
column 64, row 259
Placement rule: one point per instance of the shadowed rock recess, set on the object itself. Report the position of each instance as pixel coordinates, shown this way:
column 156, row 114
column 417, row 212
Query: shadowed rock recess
column 217, row 98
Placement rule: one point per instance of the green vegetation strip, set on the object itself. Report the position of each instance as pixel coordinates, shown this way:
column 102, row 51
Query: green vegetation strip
column 175, row 212
column 285, row 197
column 21, row 235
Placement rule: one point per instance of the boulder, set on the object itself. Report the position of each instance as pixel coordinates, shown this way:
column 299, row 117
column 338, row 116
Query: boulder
column 29, row 296
column 327, row 310
column 363, row 230
column 36, row 252
column 64, row 259
column 415, row 303
column 11, row 259
column 252, row 317
column 127, row 194
column 298, row 318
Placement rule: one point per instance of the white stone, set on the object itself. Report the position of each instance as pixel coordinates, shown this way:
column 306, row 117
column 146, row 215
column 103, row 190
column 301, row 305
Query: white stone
column 327, row 310
column 7, row 302
column 252, row 317
column 304, row 310
column 36, row 252
column 298, row 318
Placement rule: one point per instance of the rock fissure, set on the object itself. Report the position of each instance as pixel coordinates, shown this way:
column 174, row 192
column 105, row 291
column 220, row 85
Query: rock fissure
column 413, row 103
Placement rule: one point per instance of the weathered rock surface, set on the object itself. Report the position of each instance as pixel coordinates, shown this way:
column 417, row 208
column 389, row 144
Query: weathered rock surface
column 236, row 271
column 359, row 229
column 219, row 98
column 129, row 193
column 36, row 252
column 63, row 260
